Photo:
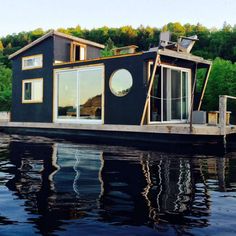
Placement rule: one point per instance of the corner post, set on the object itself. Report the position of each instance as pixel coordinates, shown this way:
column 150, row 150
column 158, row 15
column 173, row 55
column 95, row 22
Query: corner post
column 222, row 110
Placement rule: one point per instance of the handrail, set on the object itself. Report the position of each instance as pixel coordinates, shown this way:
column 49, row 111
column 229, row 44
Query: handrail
column 230, row 97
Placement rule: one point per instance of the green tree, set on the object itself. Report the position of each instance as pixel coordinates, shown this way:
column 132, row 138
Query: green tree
column 107, row 51
column 1, row 46
column 5, row 88
column 222, row 81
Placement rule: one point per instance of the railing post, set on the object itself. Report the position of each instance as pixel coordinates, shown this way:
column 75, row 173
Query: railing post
column 222, row 110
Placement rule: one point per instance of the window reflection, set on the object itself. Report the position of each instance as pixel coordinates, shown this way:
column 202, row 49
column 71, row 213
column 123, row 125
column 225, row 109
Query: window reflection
column 80, row 94
column 121, row 82
column 67, row 95
column 90, row 94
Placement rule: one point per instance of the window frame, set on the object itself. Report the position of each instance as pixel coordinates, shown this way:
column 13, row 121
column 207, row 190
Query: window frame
column 181, row 69
column 31, row 57
column 73, row 46
column 112, row 77
column 23, row 91
column 55, row 96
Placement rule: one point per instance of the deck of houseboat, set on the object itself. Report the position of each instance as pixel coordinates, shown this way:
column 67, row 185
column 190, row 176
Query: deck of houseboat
column 161, row 128
column 160, row 136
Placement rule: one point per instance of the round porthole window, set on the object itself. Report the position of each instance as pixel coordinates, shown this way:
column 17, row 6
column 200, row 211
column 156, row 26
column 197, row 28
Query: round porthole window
column 121, row 82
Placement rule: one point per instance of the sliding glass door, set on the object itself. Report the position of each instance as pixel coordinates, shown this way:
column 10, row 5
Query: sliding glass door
column 170, row 95
column 79, row 95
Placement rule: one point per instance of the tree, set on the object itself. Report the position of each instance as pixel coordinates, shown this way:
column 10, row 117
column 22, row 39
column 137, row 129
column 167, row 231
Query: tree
column 107, row 51
column 5, row 88
column 1, row 46
column 222, row 81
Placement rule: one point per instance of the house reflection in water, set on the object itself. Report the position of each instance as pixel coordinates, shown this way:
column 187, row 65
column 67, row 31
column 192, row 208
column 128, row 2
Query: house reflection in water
column 122, row 186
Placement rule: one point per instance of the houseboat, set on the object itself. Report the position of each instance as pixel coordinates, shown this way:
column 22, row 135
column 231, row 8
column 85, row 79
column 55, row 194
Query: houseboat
column 62, row 87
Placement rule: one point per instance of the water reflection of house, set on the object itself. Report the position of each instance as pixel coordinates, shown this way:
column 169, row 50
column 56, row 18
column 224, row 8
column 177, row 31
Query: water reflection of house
column 215, row 168
column 158, row 190
column 70, row 182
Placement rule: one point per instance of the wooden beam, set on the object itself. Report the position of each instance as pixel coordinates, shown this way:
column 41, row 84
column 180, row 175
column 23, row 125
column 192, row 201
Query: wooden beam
column 157, row 61
column 204, row 87
column 192, row 99
column 222, row 110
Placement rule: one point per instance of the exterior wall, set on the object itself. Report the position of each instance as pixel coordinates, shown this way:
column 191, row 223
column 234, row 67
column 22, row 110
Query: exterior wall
column 117, row 110
column 62, row 50
column 93, row 52
column 33, row 112
column 128, row 109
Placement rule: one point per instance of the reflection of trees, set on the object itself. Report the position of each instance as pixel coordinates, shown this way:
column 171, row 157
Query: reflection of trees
column 92, row 107
column 123, row 92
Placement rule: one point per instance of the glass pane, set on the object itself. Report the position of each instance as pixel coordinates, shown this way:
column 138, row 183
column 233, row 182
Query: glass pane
column 37, row 90
column 35, row 61
column 28, row 91
column 175, row 95
column 82, row 53
column 67, row 95
column 155, row 100
column 121, row 82
column 90, row 94
column 38, row 61
column 185, row 98
column 166, row 78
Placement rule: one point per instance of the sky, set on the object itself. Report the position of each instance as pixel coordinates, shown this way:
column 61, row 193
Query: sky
column 26, row 15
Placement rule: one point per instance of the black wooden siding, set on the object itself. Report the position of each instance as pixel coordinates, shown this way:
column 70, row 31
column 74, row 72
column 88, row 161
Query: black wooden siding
column 117, row 110
column 35, row 112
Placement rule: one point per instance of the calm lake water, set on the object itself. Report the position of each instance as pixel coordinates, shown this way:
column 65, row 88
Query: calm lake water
column 55, row 187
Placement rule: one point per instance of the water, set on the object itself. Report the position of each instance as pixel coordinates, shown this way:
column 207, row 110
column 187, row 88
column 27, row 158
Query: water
column 54, row 187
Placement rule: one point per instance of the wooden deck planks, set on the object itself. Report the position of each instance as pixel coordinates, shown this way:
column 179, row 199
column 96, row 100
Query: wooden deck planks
column 155, row 128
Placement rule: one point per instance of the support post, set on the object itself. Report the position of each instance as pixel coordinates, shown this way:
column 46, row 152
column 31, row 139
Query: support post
column 192, row 99
column 222, row 110
column 204, row 87
column 157, row 61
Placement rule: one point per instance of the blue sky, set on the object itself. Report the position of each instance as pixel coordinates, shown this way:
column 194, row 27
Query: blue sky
column 25, row 15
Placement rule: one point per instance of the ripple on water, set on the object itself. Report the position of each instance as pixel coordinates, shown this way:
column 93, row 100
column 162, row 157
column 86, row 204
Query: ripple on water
column 55, row 187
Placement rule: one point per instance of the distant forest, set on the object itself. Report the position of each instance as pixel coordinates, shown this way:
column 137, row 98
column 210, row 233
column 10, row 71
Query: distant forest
column 218, row 45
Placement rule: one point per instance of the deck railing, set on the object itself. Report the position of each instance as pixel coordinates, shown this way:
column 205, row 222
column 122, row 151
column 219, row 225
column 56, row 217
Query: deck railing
column 223, row 110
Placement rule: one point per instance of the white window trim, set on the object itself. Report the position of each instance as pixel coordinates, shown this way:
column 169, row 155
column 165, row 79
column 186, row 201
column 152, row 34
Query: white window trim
column 32, row 57
column 23, row 90
column 55, row 103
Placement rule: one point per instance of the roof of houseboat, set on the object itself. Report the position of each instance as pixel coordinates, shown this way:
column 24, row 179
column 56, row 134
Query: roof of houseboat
column 53, row 32
column 183, row 55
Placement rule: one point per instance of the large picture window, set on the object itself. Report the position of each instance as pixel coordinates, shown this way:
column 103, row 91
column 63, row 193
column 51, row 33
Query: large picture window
column 32, row 62
column 80, row 95
column 32, row 91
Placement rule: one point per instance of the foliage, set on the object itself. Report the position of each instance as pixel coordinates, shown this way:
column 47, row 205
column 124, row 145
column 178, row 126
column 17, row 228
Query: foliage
column 5, row 88
column 212, row 43
column 107, row 51
column 222, row 81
